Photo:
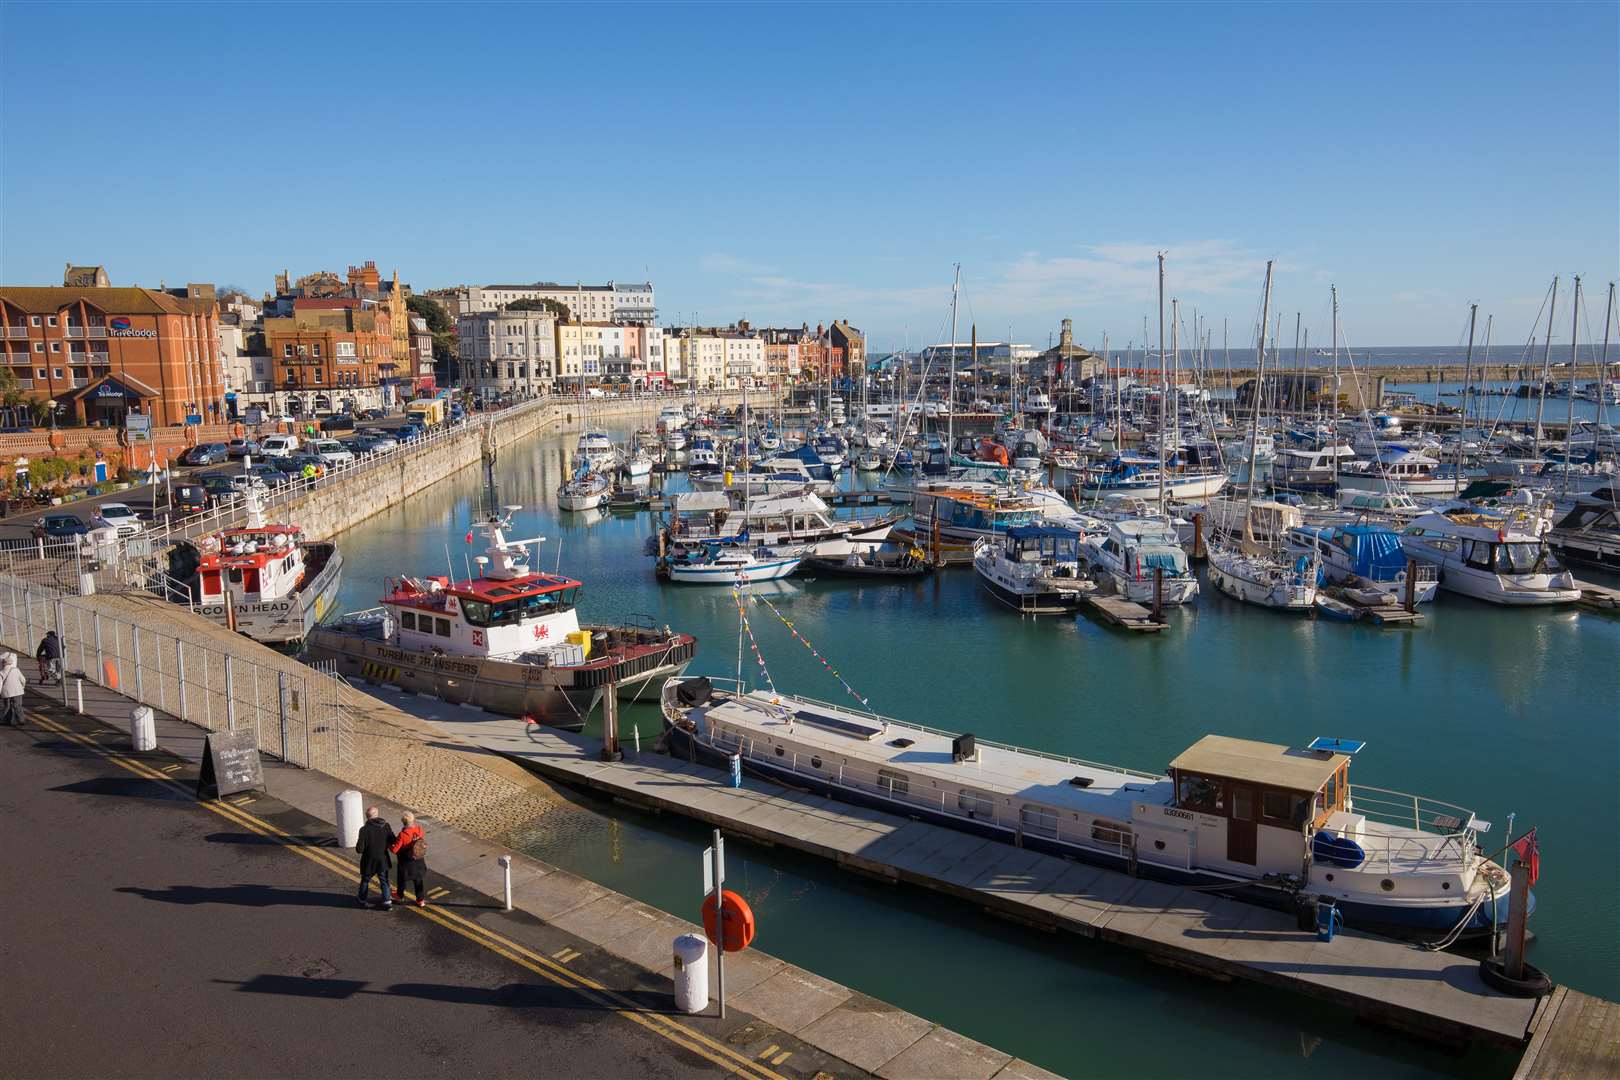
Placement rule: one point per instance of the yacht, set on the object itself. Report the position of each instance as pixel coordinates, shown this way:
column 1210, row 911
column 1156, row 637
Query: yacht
column 963, row 513
column 1500, row 558
column 1270, row 824
column 597, row 452
column 1590, row 531
column 1264, row 577
column 1395, row 505
column 1033, row 569
column 671, row 418
column 675, row 440
column 585, row 490
column 1365, row 557
column 508, row 640
column 1141, row 556
column 1395, row 469
column 799, row 519
column 1141, row 477
column 728, row 564
column 1037, row 404
column 1309, row 471
column 263, row 580
column 638, row 466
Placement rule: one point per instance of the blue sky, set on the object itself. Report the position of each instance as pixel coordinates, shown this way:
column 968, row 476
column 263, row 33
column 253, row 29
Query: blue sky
column 803, row 163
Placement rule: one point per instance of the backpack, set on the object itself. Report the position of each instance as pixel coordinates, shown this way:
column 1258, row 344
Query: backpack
column 418, row 849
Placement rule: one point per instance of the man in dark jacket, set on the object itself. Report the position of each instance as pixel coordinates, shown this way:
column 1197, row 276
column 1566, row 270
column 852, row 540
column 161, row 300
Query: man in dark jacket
column 49, row 655
column 375, row 839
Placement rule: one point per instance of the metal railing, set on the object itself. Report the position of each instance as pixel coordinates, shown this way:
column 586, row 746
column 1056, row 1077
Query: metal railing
column 298, row 716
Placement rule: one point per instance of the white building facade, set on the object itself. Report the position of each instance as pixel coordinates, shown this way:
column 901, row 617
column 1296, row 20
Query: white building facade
column 507, row 352
column 612, row 302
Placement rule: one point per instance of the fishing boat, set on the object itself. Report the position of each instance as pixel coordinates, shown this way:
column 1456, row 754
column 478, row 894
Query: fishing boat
column 1140, row 558
column 1365, row 557
column 266, row 581
column 1590, row 531
column 1268, row 823
column 702, row 459
column 721, row 563
column 508, row 640
column 1033, row 569
column 889, row 559
column 1502, row 558
column 585, row 490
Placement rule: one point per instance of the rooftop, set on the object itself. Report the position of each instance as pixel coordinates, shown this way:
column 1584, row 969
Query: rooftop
column 1262, row 763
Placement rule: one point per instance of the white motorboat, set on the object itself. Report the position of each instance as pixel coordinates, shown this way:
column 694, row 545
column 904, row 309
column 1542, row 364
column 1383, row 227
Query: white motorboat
column 1502, row 558
column 1033, row 569
column 1396, row 469
column 1590, row 531
column 728, row 564
column 585, row 490
column 702, row 459
column 1271, row 824
column 1394, row 505
column 1140, row 557
column 869, row 461
column 597, row 452
column 638, row 465
column 675, row 440
column 800, row 519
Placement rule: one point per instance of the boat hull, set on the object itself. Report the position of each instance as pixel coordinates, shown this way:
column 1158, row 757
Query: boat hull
column 1424, row 921
column 729, row 575
column 1277, row 595
column 559, row 696
column 291, row 618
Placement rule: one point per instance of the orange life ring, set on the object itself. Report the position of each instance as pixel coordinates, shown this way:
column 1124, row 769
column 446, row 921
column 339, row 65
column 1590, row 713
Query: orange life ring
column 739, row 920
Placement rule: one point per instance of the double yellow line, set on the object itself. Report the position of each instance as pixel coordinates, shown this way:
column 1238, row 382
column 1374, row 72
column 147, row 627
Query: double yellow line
column 587, row 988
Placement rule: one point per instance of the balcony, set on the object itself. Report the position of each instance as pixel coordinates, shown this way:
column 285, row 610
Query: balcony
column 96, row 357
column 73, row 331
column 16, row 331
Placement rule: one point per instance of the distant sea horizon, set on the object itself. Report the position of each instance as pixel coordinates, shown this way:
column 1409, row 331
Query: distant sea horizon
column 1588, row 356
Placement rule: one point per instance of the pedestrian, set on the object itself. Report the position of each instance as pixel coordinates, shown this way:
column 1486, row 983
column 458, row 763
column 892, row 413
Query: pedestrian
column 49, row 656
column 374, row 844
column 411, row 847
column 12, row 683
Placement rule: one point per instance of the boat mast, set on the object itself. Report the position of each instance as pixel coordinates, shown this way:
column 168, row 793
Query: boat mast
column 1569, row 393
column 1259, row 381
column 1164, row 394
column 1603, row 368
column 1546, row 367
column 1333, row 436
column 1175, row 351
column 950, row 412
column 1468, row 374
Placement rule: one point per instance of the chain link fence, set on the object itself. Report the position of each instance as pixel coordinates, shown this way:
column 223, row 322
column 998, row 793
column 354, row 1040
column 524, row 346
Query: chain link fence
column 298, row 716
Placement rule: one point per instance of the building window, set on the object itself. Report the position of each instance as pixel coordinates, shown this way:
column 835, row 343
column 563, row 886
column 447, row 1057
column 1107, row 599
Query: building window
column 34, row 321
column 317, row 349
column 51, row 321
column 58, row 372
column 39, row 346
column 317, row 376
column 39, row 374
column 56, row 346
column 286, row 350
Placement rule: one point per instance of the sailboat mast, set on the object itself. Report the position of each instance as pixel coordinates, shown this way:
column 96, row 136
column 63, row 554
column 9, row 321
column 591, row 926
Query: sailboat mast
column 1569, row 393
column 1468, row 373
column 1164, row 394
column 1175, row 352
column 1603, row 368
column 1333, row 436
column 950, row 412
column 1259, row 382
column 1546, row 367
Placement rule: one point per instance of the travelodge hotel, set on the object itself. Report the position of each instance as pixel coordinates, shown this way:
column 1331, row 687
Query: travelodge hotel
column 99, row 352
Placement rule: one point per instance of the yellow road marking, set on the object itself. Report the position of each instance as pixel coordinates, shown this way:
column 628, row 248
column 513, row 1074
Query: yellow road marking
column 244, row 801
column 783, row 1056
column 769, row 1050
column 434, row 894
column 586, row 987
column 172, row 768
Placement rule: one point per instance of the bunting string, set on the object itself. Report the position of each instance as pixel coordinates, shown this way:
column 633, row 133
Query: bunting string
column 802, row 640
column 759, row 658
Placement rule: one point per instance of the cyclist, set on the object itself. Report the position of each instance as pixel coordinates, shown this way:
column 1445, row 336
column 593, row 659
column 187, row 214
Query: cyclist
column 49, row 655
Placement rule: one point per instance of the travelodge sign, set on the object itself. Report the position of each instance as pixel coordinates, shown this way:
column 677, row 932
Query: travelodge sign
column 118, row 326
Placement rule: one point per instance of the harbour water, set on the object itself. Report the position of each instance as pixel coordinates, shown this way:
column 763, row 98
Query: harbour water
column 1503, row 711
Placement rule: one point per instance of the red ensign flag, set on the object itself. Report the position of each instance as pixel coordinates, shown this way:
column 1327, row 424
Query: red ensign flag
column 1529, row 853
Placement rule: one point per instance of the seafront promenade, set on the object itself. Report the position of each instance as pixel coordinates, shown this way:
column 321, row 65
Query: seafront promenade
column 251, row 896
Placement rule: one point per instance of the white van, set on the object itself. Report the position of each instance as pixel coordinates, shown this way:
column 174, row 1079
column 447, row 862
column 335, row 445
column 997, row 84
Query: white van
column 278, row 445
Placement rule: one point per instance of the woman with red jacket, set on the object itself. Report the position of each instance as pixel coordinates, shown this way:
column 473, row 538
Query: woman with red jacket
column 411, row 847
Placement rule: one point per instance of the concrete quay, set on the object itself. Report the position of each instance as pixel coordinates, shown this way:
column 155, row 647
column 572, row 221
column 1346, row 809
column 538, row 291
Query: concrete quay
column 774, row 1006
column 1438, row 995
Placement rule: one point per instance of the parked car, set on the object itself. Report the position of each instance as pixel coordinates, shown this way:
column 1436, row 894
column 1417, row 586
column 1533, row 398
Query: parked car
column 239, row 448
column 382, row 440
column 120, row 516
column 331, row 451
column 204, row 454
column 189, row 498
column 298, row 462
column 223, row 485
column 279, row 446
column 338, row 422
column 59, row 527
column 372, row 414
column 407, row 433
column 361, row 444
column 269, row 475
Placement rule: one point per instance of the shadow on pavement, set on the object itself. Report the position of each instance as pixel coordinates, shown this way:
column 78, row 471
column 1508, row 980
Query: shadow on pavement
column 243, row 895
column 130, row 787
column 535, row 995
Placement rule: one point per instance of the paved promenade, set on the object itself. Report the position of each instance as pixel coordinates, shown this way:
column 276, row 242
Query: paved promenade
column 249, row 897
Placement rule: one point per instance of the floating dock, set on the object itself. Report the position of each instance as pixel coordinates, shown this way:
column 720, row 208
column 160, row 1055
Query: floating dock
column 1123, row 613
column 1576, row 1035
column 1338, row 604
column 1435, row 994
column 1599, row 597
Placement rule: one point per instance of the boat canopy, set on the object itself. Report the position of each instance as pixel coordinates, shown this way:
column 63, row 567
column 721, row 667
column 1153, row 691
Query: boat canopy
column 1375, row 551
column 696, row 502
column 1260, row 763
column 1023, row 533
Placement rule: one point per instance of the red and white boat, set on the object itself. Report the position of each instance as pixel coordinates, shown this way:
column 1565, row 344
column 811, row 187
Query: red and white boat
column 508, row 640
column 263, row 580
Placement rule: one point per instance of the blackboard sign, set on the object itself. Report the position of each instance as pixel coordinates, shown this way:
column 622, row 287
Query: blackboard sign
column 230, row 763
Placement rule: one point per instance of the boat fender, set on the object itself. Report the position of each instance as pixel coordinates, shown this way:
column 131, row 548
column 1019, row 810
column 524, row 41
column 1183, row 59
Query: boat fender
column 1532, row 983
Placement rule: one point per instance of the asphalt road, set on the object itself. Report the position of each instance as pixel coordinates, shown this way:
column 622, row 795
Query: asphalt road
column 145, row 935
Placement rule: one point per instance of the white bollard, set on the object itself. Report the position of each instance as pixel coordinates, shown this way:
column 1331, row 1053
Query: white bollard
column 506, row 869
column 350, row 816
column 78, row 688
column 142, row 728
column 691, row 973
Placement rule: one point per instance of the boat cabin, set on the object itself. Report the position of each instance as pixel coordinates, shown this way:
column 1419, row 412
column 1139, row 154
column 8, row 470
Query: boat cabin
column 253, row 564
column 1263, row 795
column 483, row 616
column 1044, row 544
